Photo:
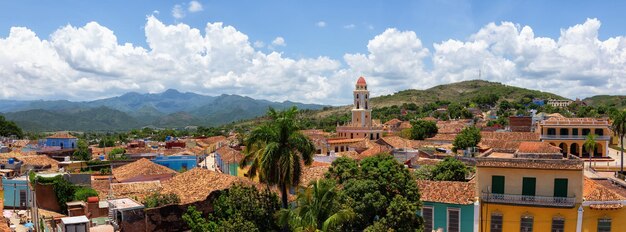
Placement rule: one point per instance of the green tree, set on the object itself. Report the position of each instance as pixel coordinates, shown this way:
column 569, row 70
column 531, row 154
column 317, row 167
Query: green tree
column 9, row 128
column 590, row 145
column 450, row 169
column 422, row 129
column 370, row 192
column 248, row 203
column 619, row 128
column 468, row 137
column 157, row 199
column 342, row 169
column 276, row 150
column 82, row 151
column 193, row 218
column 317, row 209
column 82, row 193
column 400, row 216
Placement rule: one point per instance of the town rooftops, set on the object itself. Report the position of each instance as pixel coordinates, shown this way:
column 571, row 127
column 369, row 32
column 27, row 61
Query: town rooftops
column 451, row 192
column 197, row 184
column 576, row 121
column 125, row 204
column 61, row 135
column 394, row 121
column 229, row 154
column 39, row 161
column 510, row 136
column 599, row 193
column 140, row 169
column 341, row 140
column 138, row 190
column 528, row 161
column 397, row 142
column 538, row 148
column 313, row 172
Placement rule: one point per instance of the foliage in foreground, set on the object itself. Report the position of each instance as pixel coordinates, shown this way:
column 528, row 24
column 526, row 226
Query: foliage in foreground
column 157, row 199
column 450, row 169
column 468, row 137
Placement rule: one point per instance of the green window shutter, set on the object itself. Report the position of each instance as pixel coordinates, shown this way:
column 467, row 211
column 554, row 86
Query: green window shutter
column 528, row 186
column 560, row 187
column 497, row 184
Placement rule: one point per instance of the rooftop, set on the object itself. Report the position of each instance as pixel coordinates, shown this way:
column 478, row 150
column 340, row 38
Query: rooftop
column 197, row 184
column 74, row 220
column 595, row 191
column 313, row 172
column 40, row 161
column 575, row 121
column 509, row 160
column 61, row 135
column 510, row 136
column 141, row 167
column 341, row 140
column 125, row 204
column 452, row 192
column 361, row 81
column 229, row 154
column 538, row 148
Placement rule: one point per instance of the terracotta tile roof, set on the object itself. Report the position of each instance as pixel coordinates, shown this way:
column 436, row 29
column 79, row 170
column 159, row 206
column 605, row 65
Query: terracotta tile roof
column 313, row 173
column 341, row 140
column 442, row 137
column 525, row 163
column 500, row 145
column 451, row 192
column 538, row 148
column 575, row 121
column 349, row 154
column 392, row 122
column 229, row 154
column 405, row 125
column 140, row 168
column 135, row 190
column 451, row 127
column 510, row 136
column 429, row 119
column 196, row 184
column 397, row 142
column 40, row 161
column 372, row 151
column 425, row 161
column 4, row 157
column 593, row 191
column 61, row 135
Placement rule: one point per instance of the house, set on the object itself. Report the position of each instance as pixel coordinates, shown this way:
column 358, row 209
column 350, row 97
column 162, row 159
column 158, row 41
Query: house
column 570, row 134
column 175, row 144
column 62, row 140
column 535, row 188
column 227, row 159
column 448, row 205
column 520, row 123
column 127, row 213
column 142, row 170
column 177, row 162
column 38, row 162
column 17, row 194
column 559, row 103
column 73, row 224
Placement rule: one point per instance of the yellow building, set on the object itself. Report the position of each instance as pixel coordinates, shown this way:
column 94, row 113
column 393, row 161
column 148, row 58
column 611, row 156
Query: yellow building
column 361, row 125
column 570, row 134
column 533, row 189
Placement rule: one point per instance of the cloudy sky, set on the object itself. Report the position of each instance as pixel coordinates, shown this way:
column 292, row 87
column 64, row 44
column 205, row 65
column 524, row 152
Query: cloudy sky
column 310, row 52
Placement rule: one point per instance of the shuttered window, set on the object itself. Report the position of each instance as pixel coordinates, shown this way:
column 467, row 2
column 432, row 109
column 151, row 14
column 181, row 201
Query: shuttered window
column 558, row 224
column 604, row 225
column 497, row 184
column 427, row 214
column 526, row 224
column 454, row 220
column 496, row 223
column 560, row 187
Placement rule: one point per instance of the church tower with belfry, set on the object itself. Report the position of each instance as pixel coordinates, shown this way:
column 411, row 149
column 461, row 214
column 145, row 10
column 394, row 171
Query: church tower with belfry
column 361, row 112
column 361, row 127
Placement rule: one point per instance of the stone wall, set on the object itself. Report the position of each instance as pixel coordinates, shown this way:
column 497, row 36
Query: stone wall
column 169, row 218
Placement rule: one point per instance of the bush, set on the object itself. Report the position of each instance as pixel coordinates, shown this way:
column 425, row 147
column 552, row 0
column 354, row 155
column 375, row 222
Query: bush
column 422, row 129
column 157, row 199
column 82, row 193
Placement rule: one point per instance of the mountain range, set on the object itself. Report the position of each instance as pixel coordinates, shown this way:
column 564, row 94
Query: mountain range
column 133, row 110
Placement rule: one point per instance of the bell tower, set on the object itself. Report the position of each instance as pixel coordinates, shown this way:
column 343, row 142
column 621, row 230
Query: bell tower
column 361, row 111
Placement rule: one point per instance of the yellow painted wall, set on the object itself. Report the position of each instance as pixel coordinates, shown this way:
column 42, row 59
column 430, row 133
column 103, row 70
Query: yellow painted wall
column 542, row 217
column 591, row 216
column 545, row 180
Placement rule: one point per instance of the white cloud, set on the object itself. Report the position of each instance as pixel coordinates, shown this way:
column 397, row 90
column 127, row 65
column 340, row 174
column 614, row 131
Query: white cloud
column 320, row 24
column 88, row 62
column 195, row 6
column 259, row 44
column 279, row 41
column 178, row 12
column 155, row 12
column 349, row 26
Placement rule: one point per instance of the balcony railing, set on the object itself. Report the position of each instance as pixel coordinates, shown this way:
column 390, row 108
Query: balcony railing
column 573, row 137
column 565, row 202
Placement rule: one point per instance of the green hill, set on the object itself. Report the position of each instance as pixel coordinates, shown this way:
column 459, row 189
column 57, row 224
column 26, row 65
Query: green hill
column 608, row 100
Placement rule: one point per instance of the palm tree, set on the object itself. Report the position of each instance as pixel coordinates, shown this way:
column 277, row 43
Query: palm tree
column 590, row 144
column 275, row 151
column 619, row 128
column 317, row 209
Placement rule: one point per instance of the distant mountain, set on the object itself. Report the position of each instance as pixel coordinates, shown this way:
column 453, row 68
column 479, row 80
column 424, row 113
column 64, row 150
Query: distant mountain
column 132, row 110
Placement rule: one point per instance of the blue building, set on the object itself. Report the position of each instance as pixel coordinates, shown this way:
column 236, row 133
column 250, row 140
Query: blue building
column 539, row 102
column 449, row 206
column 178, row 162
column 17, row 194
column 63, row 140
column 227, row 159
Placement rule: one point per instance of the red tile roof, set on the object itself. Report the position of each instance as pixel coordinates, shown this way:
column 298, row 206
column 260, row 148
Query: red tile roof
column 537, row 148
column 451, row 192
column 229, row 154
column 61, row 135
column 139, row 169
column 510, row 136
column 361, row 81
column 593, row 191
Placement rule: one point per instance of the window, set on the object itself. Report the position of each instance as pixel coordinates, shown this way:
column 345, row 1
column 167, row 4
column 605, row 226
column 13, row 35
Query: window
column 604, row 225
column 427, row 214
column 575, row 131
column 586, row 131
column 526, row 224
column 22, row 198
column 564, row 131
column 558, row 224
column 496, row 223
column 599, row 132
column 454, row 220
column 560, row 187
column 551, row 131
column 528, row 186
column 497, row 184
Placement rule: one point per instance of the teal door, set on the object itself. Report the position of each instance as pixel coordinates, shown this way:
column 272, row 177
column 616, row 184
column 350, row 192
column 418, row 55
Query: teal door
column 560, row 187
column 528, row 186
column 497, row 184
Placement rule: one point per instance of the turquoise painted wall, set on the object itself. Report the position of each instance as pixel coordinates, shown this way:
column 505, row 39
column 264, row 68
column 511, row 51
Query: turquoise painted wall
column 12, row 189
column 440, row 215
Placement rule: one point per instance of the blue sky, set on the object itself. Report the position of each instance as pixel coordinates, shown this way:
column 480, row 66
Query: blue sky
column 328, row 29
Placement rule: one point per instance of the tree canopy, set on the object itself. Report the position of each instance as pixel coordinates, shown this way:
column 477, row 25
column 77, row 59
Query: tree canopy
column 422, row 129
column 9, row 128
column 468, row 137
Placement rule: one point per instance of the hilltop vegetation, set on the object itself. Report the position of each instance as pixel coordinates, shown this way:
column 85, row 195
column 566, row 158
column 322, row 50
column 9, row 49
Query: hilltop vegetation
column 618, row 102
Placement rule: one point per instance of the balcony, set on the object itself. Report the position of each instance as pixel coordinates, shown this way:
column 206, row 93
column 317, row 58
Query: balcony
column 573, row 137
column 561, row 202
